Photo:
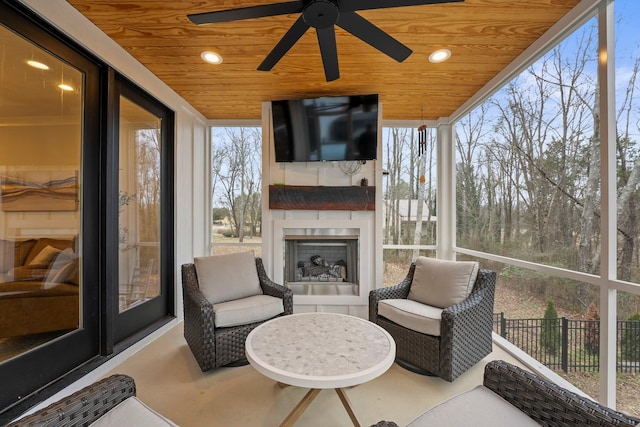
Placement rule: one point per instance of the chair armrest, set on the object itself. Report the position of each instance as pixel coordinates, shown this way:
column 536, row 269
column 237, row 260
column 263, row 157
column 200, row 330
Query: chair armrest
column 399, row 291
column 193, row 296
column 466, row 328
column 199, row 326
column 483, row 293
column 84, row 406
column 546, row 402
column 269, row 287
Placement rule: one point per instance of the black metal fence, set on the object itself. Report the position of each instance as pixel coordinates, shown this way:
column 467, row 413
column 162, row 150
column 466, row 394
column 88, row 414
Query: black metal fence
column 570, row 345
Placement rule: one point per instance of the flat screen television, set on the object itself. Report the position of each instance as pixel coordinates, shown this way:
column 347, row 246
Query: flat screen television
column 332, row 128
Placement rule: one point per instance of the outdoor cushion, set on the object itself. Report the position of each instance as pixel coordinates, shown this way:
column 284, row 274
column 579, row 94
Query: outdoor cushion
column 479, row 407
column 247, row 310
column 412, row 315
column 132, row 412
column 442, row 283
column 227, row 277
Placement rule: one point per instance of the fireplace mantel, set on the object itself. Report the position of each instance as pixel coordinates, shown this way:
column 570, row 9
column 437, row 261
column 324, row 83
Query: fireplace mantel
column 307, row 197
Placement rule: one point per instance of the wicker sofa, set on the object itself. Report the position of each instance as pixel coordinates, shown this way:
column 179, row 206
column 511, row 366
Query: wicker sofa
column 511, row 396
column 108, row 402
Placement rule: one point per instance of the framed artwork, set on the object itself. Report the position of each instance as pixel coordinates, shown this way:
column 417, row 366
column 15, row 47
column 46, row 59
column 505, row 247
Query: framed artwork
column 38, row 190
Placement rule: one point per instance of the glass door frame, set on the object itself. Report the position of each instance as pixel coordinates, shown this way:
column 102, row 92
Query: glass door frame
column 125, row 325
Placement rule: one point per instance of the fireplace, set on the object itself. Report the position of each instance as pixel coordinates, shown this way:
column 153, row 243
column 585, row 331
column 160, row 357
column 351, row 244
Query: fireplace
column 321, row 264
column 346, row 248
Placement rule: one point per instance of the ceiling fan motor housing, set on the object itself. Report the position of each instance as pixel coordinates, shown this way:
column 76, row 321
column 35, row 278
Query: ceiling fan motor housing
column 320, row 13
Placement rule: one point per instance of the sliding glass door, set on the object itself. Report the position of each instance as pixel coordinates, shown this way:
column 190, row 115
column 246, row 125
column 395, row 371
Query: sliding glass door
column 144, row 153
column 86, row 211
column 48, row 208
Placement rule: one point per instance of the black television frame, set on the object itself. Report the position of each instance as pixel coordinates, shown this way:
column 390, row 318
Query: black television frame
column 328, row 128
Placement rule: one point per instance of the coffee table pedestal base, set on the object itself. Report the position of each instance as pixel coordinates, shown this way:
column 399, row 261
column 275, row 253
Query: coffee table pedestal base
column 308, row 398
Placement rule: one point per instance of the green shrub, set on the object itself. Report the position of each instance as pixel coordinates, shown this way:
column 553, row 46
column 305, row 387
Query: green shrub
column 550, row 333
column 630, row 339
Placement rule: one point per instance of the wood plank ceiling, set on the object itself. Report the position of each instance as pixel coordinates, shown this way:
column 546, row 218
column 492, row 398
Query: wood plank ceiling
column 484, row 36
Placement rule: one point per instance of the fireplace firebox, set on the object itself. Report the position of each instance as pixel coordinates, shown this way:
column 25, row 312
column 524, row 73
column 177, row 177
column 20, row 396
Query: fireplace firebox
column 321, row 264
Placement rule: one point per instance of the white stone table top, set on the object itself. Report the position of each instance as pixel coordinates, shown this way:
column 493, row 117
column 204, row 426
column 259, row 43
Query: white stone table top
column 320, row 350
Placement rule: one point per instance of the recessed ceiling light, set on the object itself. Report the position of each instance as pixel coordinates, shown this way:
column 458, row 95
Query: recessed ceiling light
column 440, row 55
column 211, row 57
column 38, row 65
column 65, row 87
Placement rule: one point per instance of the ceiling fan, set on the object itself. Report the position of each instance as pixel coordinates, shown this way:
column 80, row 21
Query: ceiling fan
column 322, row 15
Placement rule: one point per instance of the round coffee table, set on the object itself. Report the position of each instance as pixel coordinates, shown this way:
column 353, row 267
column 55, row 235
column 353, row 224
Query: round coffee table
column 319, row 351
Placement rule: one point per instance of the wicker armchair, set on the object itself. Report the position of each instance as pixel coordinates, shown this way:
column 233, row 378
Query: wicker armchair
column 214, row 347
column 546, row 402
column 465, row 329
column 543, row 401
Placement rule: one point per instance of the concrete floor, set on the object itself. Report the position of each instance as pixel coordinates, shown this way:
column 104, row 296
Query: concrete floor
column 169, row 380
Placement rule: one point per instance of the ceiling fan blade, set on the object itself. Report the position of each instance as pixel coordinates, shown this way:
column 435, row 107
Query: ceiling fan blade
column 329, row 52
column 369, row 33
column 286, row 42
column 246, row 13
column 351, row 5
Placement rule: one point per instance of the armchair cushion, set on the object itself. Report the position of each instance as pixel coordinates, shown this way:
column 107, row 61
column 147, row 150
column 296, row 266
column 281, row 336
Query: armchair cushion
column 132, row 412
column 412, row 315
column 228, row 277
column 442, row 283
column 248, row 310
column 477, row 407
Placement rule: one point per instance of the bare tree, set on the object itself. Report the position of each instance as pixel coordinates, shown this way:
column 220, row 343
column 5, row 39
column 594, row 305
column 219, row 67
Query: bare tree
column 543, row 123
column 240, row 176
column 423, row 189
column 470, row 133
column 398, row 142
column 217, row 167
column 148, row 183
column 629, row 177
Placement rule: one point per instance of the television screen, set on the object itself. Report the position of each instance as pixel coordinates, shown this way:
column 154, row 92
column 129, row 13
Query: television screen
column 326, row 129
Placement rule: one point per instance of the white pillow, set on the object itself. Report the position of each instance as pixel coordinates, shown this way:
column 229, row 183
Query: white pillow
column 228, row 277
column 442, row 283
